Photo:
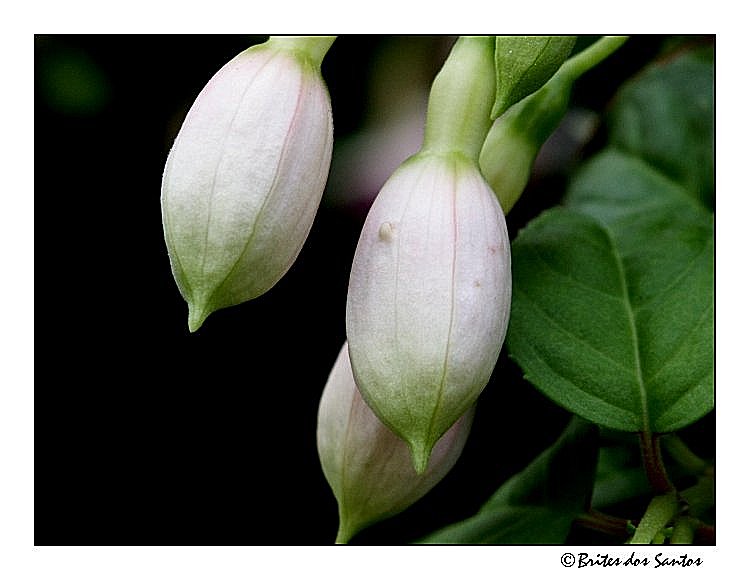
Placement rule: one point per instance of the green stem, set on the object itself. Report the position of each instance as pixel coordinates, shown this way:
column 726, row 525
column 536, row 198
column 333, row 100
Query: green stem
column 684, row 530
column 461, row 99
column 661, row 510
column 314, row 47
column 588, row 58
column 682, row 454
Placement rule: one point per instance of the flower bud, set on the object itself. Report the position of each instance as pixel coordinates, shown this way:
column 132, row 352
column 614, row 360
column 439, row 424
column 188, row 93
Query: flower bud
column 366, row 465
column 429, row 297
column 245, row 176
column 514, row 141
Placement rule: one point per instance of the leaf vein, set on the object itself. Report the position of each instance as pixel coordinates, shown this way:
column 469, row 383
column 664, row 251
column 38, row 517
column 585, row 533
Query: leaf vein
column 573, row 385
column 643, row 395
column 568, row 332
column 677, row 278
column 571, row 278
column 680, row 348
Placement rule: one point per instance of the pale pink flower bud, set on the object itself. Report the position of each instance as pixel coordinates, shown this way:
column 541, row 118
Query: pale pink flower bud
column 245, row 176
column 368, row 467
column 429, row 297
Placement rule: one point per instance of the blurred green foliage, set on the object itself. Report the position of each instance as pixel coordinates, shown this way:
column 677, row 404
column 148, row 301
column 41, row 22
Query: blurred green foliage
column 68, row 80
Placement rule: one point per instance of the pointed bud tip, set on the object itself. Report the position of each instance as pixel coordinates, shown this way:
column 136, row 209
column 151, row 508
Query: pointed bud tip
column 344, row 535
column 196, row 316
column 420, row 456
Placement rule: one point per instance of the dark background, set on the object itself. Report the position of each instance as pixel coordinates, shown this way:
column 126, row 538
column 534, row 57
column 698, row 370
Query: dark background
column 147, row 435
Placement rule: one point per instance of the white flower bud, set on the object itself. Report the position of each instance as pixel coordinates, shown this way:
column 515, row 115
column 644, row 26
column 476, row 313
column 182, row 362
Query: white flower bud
column 369, row 468
column 245, row 176
column 429, row 297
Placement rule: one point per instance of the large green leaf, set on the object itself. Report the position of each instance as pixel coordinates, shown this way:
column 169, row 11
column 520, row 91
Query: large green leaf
column 537, row 505
column 665, row 115
column 612, row 313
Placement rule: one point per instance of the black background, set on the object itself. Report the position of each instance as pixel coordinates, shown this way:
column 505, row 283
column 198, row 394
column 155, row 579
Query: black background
column 148, row 435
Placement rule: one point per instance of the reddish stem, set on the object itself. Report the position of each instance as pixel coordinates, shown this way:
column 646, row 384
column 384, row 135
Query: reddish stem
column 653, row 463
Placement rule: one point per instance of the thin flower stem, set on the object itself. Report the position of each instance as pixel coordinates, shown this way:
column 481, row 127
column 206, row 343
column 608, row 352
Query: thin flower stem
column 461, row 98
column 588, row 58
column 314, row 47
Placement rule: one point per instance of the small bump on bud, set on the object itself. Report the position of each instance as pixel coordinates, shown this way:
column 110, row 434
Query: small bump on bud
column 429, row 297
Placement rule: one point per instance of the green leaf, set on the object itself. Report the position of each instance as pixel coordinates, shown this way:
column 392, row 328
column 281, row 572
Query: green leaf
column 612, row 313
column 524, row 63
column 537, row 505
column 665, row 115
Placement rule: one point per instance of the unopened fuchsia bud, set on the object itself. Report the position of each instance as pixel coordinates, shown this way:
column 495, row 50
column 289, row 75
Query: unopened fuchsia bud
column 368, row 467
column 514, row 141
column 430, row 286
column 245, row 176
